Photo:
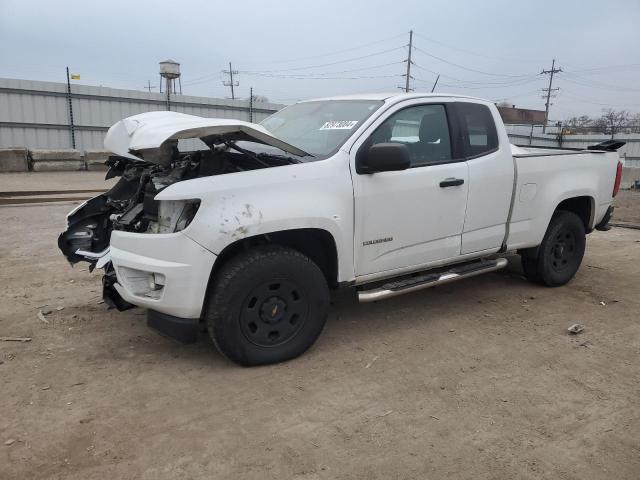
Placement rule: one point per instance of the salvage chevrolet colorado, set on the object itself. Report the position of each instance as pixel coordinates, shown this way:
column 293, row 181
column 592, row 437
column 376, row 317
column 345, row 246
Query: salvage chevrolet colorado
column 245, row 236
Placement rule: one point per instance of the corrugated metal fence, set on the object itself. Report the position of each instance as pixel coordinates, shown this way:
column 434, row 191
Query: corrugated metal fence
column 35, row 114
column 525, row 135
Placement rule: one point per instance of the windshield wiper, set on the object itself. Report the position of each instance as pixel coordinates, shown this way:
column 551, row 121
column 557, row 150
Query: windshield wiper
column 283, row 158
column 262, row 156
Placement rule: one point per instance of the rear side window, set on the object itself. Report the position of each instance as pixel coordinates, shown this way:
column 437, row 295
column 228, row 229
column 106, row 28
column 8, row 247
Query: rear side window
column 478, row 130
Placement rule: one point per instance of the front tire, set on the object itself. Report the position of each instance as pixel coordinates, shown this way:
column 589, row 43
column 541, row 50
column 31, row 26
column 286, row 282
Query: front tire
column 560, row 254
column 267, row 305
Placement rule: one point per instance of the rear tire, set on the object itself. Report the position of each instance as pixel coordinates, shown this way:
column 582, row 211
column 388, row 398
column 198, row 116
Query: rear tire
column 267, row 305
column 560, row 254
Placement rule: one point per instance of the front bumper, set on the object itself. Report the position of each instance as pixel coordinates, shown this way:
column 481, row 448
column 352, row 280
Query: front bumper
column 167, row 273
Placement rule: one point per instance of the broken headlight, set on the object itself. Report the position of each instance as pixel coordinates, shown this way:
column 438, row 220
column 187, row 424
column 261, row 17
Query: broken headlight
column 174, row 215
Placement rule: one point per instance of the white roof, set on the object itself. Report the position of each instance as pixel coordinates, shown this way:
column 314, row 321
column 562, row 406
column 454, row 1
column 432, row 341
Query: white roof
column 392, row 96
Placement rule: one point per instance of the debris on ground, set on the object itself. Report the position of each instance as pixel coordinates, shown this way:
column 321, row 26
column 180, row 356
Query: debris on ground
column 575, row 328
column 46, row 311
column 60, row 308
column 9, row 442
column 371, row 362
column 603, row 304
column 42, row 318
column 15, row 339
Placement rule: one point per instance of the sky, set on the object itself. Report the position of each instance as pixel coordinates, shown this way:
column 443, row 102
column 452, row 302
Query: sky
column 291, row 50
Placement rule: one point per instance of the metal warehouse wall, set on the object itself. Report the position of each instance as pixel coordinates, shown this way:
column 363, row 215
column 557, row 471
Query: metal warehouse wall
column 35, row 114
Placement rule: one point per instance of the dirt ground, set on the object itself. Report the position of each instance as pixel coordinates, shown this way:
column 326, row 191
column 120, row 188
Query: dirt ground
column 627, row 205
column 477, row 379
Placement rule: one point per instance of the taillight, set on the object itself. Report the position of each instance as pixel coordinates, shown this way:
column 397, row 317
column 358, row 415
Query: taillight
column 616, row 184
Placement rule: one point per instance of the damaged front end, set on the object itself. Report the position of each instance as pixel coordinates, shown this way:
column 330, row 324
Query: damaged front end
column 129, row 206
column 147, row 160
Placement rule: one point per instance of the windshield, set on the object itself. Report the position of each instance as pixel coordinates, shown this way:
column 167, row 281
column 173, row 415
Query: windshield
column 319, row 128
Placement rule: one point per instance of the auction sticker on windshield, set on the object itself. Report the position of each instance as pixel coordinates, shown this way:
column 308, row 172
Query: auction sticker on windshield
column 339, row 125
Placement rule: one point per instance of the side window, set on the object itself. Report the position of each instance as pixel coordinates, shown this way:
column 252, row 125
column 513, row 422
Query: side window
column 478, row 129
column 423, row 129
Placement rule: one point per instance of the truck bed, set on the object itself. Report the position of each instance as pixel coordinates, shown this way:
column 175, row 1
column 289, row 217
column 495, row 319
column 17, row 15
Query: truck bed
column 544, row 177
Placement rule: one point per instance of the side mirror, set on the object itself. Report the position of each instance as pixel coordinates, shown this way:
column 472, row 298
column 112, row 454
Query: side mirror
column 385, row 157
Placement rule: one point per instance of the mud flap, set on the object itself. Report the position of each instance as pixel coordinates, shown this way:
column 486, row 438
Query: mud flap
column 184, row 330
column 604, row 226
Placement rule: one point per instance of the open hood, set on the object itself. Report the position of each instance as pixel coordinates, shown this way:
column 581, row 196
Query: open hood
column 152, row 129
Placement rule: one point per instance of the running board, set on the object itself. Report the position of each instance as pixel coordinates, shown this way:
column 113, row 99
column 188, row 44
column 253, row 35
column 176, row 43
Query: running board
column 428, row 280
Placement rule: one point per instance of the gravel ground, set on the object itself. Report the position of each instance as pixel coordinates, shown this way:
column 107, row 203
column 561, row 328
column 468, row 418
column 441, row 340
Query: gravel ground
column 477, row 379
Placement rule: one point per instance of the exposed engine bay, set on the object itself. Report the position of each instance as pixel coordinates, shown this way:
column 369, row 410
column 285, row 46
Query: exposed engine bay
column 130, row 205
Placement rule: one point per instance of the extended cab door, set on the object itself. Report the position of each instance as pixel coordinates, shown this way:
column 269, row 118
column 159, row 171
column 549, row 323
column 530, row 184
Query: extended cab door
column 491, row 174
column 410, row 218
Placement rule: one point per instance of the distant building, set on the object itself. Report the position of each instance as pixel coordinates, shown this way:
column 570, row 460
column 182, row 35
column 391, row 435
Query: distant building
column 511, row 114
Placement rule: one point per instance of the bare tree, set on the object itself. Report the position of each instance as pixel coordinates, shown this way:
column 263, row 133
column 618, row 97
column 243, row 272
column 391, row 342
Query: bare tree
column 635, row 123
column 613, row 120
column 581, row 123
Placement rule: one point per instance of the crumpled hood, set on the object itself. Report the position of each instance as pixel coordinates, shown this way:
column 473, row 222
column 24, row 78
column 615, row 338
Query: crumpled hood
column 152, row 129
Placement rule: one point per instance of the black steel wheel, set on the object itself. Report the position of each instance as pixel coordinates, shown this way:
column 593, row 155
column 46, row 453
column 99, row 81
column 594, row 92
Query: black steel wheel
column 559, row 256
column 267, row 305
column 563, row 249
column 273, row 313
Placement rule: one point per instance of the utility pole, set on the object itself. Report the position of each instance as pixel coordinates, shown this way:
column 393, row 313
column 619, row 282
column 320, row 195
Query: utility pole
column 408, row 74
column 548, row 91
column 231, row 82
column 71, row 126
column 149, row 85
column 251, row 104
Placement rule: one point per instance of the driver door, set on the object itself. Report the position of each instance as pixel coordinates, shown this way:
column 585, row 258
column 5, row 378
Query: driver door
column 410, row 219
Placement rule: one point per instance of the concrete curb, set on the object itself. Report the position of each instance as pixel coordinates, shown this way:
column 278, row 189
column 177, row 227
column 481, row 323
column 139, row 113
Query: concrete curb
column 94, row 159
column 14, row 160
column 56, row 160
column 51, row 160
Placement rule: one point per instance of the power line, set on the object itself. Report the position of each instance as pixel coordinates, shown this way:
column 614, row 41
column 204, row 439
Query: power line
column 318, row 74
column 573, row 78
column 337, row 52
column 470, row 52
column 325, row 64
column 467, row 68
column 480, row 86
column 300, row 77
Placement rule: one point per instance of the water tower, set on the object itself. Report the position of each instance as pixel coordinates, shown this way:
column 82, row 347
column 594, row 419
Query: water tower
column 170, row 72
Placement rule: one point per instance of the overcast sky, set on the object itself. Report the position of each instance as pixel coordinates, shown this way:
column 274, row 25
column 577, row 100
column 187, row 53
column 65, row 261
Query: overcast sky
column 290, row 50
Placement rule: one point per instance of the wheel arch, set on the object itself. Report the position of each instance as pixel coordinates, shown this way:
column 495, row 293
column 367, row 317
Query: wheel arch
column 583, row 206
column 317, row 244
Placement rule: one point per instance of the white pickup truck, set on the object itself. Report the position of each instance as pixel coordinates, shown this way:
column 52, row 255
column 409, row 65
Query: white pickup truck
column 386, row 194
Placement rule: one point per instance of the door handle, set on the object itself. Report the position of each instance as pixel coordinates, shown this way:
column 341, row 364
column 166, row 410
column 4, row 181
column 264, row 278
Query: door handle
column 451, row 182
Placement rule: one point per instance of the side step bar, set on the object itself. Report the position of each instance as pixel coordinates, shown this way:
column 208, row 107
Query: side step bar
column 428, row 280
